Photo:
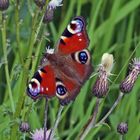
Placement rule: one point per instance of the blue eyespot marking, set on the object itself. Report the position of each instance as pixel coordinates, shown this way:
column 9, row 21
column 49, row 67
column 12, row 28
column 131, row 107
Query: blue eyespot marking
column 61, row 90
column 34, row 92
column 83, row 57
column 33, row 89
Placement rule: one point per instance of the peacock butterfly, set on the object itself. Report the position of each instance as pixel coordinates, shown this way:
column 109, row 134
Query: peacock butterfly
column 64, row 72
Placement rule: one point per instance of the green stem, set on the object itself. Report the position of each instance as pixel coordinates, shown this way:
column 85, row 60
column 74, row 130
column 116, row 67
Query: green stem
column 111, row 109
column 45, row 118
column 3, row 30
column 33, row 37
column 51, row 135
column 92, row 121
column 18, row 32
column 30, row 7
column 121, row 137
column 35, row 31
column 79, row 6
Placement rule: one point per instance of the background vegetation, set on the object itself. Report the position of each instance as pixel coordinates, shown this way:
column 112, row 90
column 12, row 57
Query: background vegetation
column 112, row 26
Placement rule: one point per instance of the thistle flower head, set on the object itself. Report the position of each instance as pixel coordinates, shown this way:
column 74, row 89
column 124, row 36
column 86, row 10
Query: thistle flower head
column 136, row 64
column 48, row 16
column 39, row 134
column 107, row 62
column 128, row 83
column 4, row 4
column 54, row 3
column 101, row 85
column 24, row 127
column 122, row 128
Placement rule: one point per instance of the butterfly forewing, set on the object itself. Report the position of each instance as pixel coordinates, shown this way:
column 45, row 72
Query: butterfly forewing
column 74, row 37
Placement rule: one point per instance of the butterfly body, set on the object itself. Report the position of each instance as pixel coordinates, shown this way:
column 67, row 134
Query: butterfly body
column 65, row 71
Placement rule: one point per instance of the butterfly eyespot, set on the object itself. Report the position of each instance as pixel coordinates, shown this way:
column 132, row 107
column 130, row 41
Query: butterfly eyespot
column 75, row 26
column 33, row 89
column 61, row 91
column 82, row 57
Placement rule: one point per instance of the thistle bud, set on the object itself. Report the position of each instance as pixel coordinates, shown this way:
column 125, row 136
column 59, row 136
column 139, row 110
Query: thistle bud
column 40, row 3
column 48, row 16
column 128, row 83
column 24, row 127
column 101, row 86
column 122, row 128
column 4, row 4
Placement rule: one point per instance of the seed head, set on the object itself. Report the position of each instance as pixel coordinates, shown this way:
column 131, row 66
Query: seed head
column 128, row 83
column 107, row 62
column 101, row 86
column 122, row 128
column 4, row 4
column 24, row 127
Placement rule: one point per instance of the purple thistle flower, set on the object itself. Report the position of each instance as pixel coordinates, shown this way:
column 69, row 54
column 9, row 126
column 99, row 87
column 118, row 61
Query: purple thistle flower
column 38, row 134
column 122, row 128
column 128, row 83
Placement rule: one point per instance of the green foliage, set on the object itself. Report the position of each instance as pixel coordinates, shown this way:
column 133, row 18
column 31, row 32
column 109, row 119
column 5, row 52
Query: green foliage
column 112, row 26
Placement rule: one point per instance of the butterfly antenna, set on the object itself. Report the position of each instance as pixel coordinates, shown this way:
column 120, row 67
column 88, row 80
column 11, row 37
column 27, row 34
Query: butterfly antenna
column 45, row 118
column 51, row 135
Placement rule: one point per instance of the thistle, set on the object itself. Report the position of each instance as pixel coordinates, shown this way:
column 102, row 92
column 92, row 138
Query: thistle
column 4, row 4
column 128, row 83
column 122, row 128
column 38, row 134
column 24, row 127
column 48, row 16
column 101, row 86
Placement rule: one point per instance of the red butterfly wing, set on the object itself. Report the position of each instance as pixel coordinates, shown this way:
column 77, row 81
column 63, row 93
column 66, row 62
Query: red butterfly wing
column 74, row 38
column 74, row 60
column 42, row 83
column 69, row 67
column 71, row 75
column 67, row 90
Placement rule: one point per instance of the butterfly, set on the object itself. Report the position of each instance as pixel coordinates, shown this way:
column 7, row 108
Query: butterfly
column 65, row 71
